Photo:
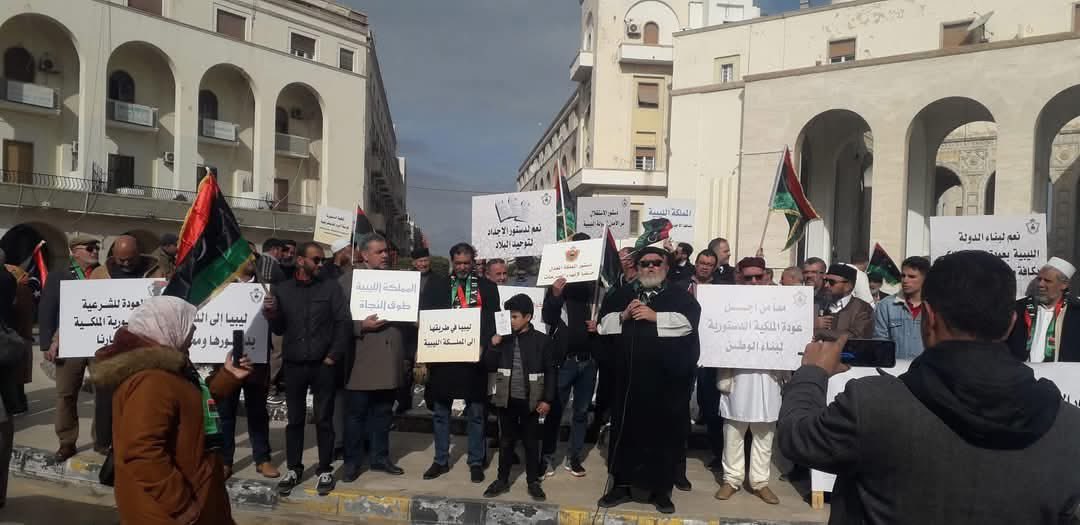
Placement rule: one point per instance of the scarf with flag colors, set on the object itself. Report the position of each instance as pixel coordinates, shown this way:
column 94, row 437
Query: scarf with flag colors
column 211, row 251
column 565, row 209
column 883, row 265
column 655, row 230
column 788, row 198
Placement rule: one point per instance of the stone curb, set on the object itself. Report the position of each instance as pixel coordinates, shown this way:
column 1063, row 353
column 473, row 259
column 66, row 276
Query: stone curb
column 262, row 496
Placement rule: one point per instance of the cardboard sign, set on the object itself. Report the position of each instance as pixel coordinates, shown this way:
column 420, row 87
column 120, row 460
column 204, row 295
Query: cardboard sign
column 392, row 295
column 502, row 323
column 512, row 225
column 576, row 262
column 332, row 224
column 537, row 296
column 681, row 213
column 593, row 213
column 237, row 307
column 1020, row 241
column 755, row 327
column 449, row 336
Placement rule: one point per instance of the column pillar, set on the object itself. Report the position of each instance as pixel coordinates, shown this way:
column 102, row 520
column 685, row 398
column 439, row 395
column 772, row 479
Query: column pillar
column 93, row 83
column 187, row 132
column 263, row 141
column 1015, row 186
column 889, row 198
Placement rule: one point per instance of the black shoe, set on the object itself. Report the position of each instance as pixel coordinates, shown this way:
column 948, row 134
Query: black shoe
column 436, row 470
column 536, row 492
column 663, row 505
column 339, row 453
column 350, row 473
column 575, row 469
column 616, row 497
column 326, row 484
column 497, row 488
column 388, row 468
column 716, row 465
column 288, row 483
column 683, row 484
column 477, row 474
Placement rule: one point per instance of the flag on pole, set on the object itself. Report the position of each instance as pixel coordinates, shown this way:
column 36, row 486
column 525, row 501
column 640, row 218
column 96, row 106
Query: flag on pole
column 39, row 261
column 565, row 209
column 610, row 267
column 211, row 250
column 361, row 226
column 883, row 265
column 788, row 198
column 656, row 230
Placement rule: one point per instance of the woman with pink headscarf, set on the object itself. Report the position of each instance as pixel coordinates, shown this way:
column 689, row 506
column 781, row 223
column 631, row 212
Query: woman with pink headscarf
column 165, row 429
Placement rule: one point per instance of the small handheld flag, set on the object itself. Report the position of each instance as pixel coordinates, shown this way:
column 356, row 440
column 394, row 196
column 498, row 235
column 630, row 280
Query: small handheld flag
column 565, row 209
column 883, row 265
column 656, row 230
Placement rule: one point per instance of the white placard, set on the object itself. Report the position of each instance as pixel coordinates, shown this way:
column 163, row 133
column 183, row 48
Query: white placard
column 513, row 224
column 449, row 336
column 332, row 224
column 92, row 310
column 755, row 327
column 1020, row 241
column 537, row 296
column 1065, row 375
column 577, row 262
column 502, row 323
column 593, row 213
column 680, row 212
column 392, row 295
column 237, row 307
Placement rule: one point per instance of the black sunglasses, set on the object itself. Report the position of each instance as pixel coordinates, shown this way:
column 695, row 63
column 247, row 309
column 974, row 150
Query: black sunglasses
column 90, row 247
column 650, row 264
column 318, row 260
column 754, row 277
column 832, row 282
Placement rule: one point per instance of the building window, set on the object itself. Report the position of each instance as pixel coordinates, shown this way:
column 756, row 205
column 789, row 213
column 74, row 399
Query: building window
column 842, row 51
column 645, row 159
column 1076, row 18
column 19, row 65
column 281, row 120
column 231, row 24
column 302, row 46
column 208, row 104
column 121, row 171
column 651, row 36
column 345, row 59
column 122, row 86
column 150, row 6
column 956, row 35
column 648, row 95
column 727, row 72
column 635, row 222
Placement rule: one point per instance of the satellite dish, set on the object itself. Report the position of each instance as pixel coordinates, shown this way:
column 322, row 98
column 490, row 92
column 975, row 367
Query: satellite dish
column 980, row 21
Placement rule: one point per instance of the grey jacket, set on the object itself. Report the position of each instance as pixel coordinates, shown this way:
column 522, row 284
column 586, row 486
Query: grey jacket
column 377, row 359
column 892, row 321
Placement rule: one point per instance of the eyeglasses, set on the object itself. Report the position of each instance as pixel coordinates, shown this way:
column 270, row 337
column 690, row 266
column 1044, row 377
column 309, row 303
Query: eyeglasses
column 318, row 260
column 650, row 264
column 90, row 248
column 832, row 282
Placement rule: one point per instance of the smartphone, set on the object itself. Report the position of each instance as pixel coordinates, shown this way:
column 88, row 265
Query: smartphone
column 872, row 353
column 237, row 347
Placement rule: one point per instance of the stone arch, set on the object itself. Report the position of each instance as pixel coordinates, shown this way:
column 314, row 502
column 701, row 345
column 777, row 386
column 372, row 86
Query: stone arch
column 657, row 12
column 298, row 165
column 139, row 154
column 948, row 192
column 1057, row 171
column 227, row 136
column 18, row 243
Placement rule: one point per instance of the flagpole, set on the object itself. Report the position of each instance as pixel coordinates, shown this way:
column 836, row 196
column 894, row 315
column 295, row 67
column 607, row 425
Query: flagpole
column 595, row 309
column 772, row 195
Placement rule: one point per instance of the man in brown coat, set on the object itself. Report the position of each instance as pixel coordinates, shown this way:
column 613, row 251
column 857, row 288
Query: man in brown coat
column 843, row 314
column 127, row 263
column 373, row 372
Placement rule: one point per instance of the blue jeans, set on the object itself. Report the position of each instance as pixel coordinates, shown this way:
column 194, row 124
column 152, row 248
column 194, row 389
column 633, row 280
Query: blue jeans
column 440, row 419
column 579, row 377
column 368, row 414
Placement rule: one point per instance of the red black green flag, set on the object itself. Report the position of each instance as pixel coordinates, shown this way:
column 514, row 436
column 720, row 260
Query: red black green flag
column 789, row 199
column 655, row 231
column 211, row 250
column 883, row 265
column 610, row 268
column 361, row 226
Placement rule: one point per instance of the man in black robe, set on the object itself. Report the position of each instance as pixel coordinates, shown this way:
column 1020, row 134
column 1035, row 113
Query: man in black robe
column 654, row 325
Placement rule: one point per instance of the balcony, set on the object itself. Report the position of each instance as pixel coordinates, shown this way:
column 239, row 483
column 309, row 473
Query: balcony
column 292, row 146
column 646, row 55
column 29, row 97
column 218, row 131
column 581, row 67
column 595, row 179
column 129, row 115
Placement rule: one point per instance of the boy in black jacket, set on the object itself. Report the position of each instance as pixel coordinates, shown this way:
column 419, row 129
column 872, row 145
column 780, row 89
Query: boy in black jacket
column 525, row 381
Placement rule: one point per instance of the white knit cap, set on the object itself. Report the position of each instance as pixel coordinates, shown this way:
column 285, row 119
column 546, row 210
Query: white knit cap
column 339, row 245
column 1062, row 266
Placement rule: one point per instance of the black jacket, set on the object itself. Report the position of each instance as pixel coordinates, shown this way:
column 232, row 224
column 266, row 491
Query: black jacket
column 10, row 375
column 313, row 319
column 536, row 358
column 572, row 336
column 466, row 381
column 1068, row 349
column 966, row 436
column 724, row 274
column 49, row 306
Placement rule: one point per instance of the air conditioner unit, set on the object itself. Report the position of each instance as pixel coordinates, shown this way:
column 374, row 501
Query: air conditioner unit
column 296, row 114
column 46, row 65
column 169, row 157
column 632, row 28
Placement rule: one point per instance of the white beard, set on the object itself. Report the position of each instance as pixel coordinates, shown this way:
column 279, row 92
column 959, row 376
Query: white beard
column 652, row 281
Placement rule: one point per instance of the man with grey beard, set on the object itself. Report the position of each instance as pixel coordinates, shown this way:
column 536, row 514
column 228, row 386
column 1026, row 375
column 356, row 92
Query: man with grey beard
column 1047, row 327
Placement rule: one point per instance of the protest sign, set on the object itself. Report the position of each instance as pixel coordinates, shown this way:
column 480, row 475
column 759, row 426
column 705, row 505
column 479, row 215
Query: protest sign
column 502, row 323
column 679, row 211
column 392, row 295
column 92, row 310
column 449, row 336
column 537, row 296
column 577, row 262
column 1020, row 241
column 332, row 224
column 754, row 327
column 513, row 224
column 237, row 307
column 593, row 213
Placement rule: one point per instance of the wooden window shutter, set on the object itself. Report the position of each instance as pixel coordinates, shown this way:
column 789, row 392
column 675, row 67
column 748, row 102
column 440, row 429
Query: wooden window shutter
column 842, row 48
column 231, row 24
column 649, row 95
column 150, row 6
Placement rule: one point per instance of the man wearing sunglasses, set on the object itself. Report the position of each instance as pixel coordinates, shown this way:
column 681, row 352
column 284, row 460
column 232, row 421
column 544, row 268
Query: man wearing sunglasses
column 843, row 314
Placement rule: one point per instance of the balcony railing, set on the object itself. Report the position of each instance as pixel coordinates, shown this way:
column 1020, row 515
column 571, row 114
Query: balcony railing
column 106, row 186
column 292, row 145
column 128, row 113
column 30, row 94
column 218, row 129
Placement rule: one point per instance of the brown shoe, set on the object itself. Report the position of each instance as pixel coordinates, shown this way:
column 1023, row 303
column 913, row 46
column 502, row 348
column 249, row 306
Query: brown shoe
column 228, row 471
column 726, row 492
column 267, row 470
column 767, row 496
column 64, row 453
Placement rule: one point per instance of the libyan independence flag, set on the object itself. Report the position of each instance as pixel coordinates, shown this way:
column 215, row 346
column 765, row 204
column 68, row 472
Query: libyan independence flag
column 654, row 231
column 611, row 267
column 211, row 250
column 883, row 265
column 788, row 198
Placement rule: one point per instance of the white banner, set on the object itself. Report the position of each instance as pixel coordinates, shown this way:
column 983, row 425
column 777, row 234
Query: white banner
column 332, row 224
column 390, row 294
column 576, row 262
column 593, row 213
column 91, row 311
column 537, row 296
column 1020, row 241
column 237, row 307
column 449, row 336
column 755, row 327
column 679, row 211
column 1065, row 375
column 513, row 224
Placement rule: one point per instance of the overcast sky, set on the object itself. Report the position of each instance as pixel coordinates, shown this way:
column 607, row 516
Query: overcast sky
column 472, row 84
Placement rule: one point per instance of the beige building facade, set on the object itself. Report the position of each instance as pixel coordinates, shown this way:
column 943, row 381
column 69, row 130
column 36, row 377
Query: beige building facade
column 112, row 110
